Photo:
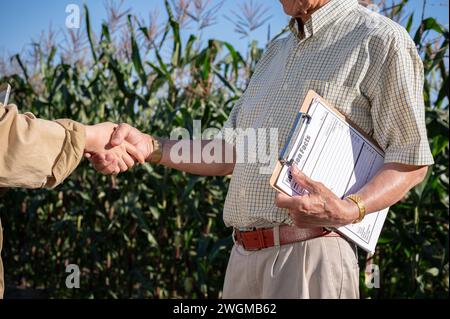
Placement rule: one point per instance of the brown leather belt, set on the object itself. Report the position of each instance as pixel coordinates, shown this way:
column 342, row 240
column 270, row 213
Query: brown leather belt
column 264, row 238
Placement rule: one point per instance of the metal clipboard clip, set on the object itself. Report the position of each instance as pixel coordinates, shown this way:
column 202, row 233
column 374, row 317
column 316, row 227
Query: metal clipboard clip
column 300, row 120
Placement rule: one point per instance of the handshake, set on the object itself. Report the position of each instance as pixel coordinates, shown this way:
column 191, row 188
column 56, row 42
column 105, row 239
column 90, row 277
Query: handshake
column 113, row 148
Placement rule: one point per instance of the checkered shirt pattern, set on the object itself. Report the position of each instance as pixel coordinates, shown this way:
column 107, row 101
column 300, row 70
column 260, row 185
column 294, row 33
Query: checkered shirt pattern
column 364, row 64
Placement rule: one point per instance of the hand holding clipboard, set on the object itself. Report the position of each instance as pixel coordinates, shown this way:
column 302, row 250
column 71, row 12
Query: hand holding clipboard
column 330, row 149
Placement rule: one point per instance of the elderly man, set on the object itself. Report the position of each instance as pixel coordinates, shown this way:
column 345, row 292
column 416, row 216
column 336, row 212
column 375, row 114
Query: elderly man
column 367, row 66
column 36, row 153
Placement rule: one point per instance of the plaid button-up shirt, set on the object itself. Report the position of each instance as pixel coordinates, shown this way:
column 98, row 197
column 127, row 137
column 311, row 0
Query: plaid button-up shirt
column 364, row 64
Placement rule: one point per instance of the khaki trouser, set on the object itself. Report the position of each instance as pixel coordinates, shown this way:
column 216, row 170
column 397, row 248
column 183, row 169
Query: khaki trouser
column 324, row 267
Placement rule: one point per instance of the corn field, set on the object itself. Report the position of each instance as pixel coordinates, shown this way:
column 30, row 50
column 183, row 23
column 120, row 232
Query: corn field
column 158, row 233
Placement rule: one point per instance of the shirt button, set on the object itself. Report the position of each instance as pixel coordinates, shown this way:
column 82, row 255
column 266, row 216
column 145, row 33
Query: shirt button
column 242, row 192
column 285, row 86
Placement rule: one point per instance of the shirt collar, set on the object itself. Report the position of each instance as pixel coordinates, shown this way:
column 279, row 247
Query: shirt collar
column 328, row 13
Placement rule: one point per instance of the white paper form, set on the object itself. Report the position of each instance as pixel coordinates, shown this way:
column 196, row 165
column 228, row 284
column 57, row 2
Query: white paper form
column 332, row 152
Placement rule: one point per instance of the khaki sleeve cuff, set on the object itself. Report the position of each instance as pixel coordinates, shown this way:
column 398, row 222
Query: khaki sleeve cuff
column 71, row 153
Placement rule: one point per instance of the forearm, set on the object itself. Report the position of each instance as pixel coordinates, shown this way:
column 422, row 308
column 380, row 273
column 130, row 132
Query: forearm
column 390, row 185
column 206, row 157
column 37, row 153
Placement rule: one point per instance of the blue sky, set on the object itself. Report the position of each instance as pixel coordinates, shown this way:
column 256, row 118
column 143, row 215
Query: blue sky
column 22, row 20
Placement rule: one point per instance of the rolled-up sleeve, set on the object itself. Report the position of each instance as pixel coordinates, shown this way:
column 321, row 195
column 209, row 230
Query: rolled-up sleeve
column 398, row 110
column 36, row 153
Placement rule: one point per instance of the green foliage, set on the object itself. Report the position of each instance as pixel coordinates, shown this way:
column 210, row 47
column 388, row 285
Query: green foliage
column 156, row 232
column 151, row 232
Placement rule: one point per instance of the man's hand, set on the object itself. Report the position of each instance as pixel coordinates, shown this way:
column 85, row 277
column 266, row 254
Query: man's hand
column 319, row 208
column 123, row 135
column 142, row 141
column 116, row 158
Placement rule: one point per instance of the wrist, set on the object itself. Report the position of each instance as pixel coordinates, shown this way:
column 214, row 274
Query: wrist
column 149, row 144
column 351, row 210
column 156, row 146
column 358, row 202
column 89, row 138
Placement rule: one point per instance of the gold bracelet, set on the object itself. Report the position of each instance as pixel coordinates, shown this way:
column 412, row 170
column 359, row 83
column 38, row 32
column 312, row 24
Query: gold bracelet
column 362, row 209
column 156, row 155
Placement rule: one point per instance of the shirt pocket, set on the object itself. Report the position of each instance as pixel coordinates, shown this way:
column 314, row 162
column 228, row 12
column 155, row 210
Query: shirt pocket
column 348, row 100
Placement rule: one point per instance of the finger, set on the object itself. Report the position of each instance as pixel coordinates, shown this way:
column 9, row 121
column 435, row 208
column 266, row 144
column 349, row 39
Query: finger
column 104, row 163
column 133, row 151
column 303, row 180
column 98, row 157
column 120, row 134
column 116, row 170
column 122, row 166
column 284, row 201
column 110, row 156
column 106, row 169
column 112, row 168
column 100, row 160
column 128, row 160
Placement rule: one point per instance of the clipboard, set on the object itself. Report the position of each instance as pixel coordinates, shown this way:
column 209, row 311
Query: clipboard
column 303, row 118
column 5, row 91
column 358, row 158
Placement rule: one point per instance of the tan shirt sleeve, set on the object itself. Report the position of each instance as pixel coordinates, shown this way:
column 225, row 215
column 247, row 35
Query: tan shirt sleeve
column 37, row 153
